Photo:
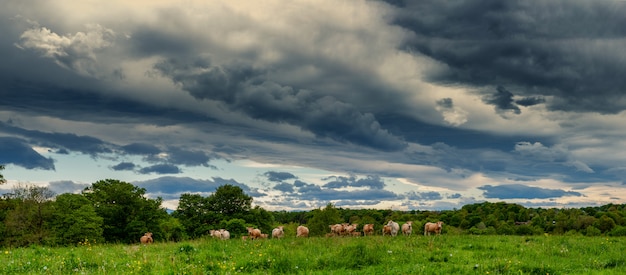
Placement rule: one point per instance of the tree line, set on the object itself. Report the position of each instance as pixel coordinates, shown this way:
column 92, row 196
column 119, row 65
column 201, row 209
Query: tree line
column 113, row 211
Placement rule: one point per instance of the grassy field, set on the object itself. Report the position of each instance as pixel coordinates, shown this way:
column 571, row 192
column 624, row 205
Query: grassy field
column 446, row 254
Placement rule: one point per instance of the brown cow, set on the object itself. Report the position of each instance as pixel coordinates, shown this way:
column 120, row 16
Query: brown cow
column 146, row 238
column 337, row 229
column 433, row 227
column 350, row 228
column 407, row 228
column 254, row 233
column 368, row 229
column 386, row 230
column 302, row 231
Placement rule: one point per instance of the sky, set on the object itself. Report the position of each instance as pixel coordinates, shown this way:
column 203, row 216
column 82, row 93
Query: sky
column 403, row 105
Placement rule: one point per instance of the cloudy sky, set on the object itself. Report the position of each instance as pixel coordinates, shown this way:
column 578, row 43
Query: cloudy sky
column 422, row 105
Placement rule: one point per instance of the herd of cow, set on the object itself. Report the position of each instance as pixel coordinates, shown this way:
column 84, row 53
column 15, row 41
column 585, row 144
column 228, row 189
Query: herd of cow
column 341, row 229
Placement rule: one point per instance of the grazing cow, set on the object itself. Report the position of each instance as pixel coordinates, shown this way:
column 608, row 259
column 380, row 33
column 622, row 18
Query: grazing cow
column 386, row 230
column 337, row 229
column 368, row 229
column 254, row 233
column 433, row 227
column 215, row 234
column 225, row 235
column 407, row 228
column 355, row 234
column 278, row 232
column 263, row 236
column 243, row 238
column 146, row 238
column 302, row 231
column 394, row 228
column 348, row 230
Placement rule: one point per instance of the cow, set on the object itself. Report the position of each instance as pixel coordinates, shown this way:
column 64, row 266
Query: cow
column 264, row 236
column 355, row 234
column 278, row 232
column 407, row 228
column 224, row 234
column 433, row 227
column 302, row 231
column 337, row 229
column 368, row 229
column 215, row 234
column 386, row 230
column 348, row 230
column 394, row 228
column 146, row 238
column 254, row 233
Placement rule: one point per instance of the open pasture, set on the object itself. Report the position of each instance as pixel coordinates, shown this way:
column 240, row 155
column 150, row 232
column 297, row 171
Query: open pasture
column 417, row 254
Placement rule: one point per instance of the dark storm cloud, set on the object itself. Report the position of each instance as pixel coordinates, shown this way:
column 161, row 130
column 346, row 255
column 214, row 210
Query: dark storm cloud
column 566, row 49
column 188, row 157
column 519, row 191
column 17, row 151
column 141, row 149
column 330, row 194
column 445, row 103
column 530, row 101
column 246, row 89
column 172, row 187
column 67, row 186
column 72, row 142
column 284, row 187
column 308, row 191
column 279, row 176
column 419, row 196
column 160, row 169
column 503, row 100
column 177, row 185
column 124, row 166
column 374, row 182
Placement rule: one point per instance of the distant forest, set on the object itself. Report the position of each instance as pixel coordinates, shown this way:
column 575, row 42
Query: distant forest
column 112, row 211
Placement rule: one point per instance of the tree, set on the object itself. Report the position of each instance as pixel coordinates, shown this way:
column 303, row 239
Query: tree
column 2, row 180
column 194, row 214
column 229, row 200
column 75, row 220
column 26, row 223
column 173, row 229
column 318, row 224
column 126, row 213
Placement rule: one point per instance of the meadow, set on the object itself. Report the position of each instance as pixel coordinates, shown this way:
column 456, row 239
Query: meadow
column 417, row 254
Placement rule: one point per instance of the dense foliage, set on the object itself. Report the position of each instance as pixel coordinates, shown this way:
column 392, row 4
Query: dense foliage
column 113, row 211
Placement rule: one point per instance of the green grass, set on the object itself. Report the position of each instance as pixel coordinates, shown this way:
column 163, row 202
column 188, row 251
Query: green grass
column 447, row 254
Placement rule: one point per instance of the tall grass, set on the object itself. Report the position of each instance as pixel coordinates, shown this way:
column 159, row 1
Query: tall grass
column 447, row 254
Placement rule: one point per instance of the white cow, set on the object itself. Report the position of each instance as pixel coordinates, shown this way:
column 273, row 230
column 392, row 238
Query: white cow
column 278, row 232
column 225, row 235
column 395, row 227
